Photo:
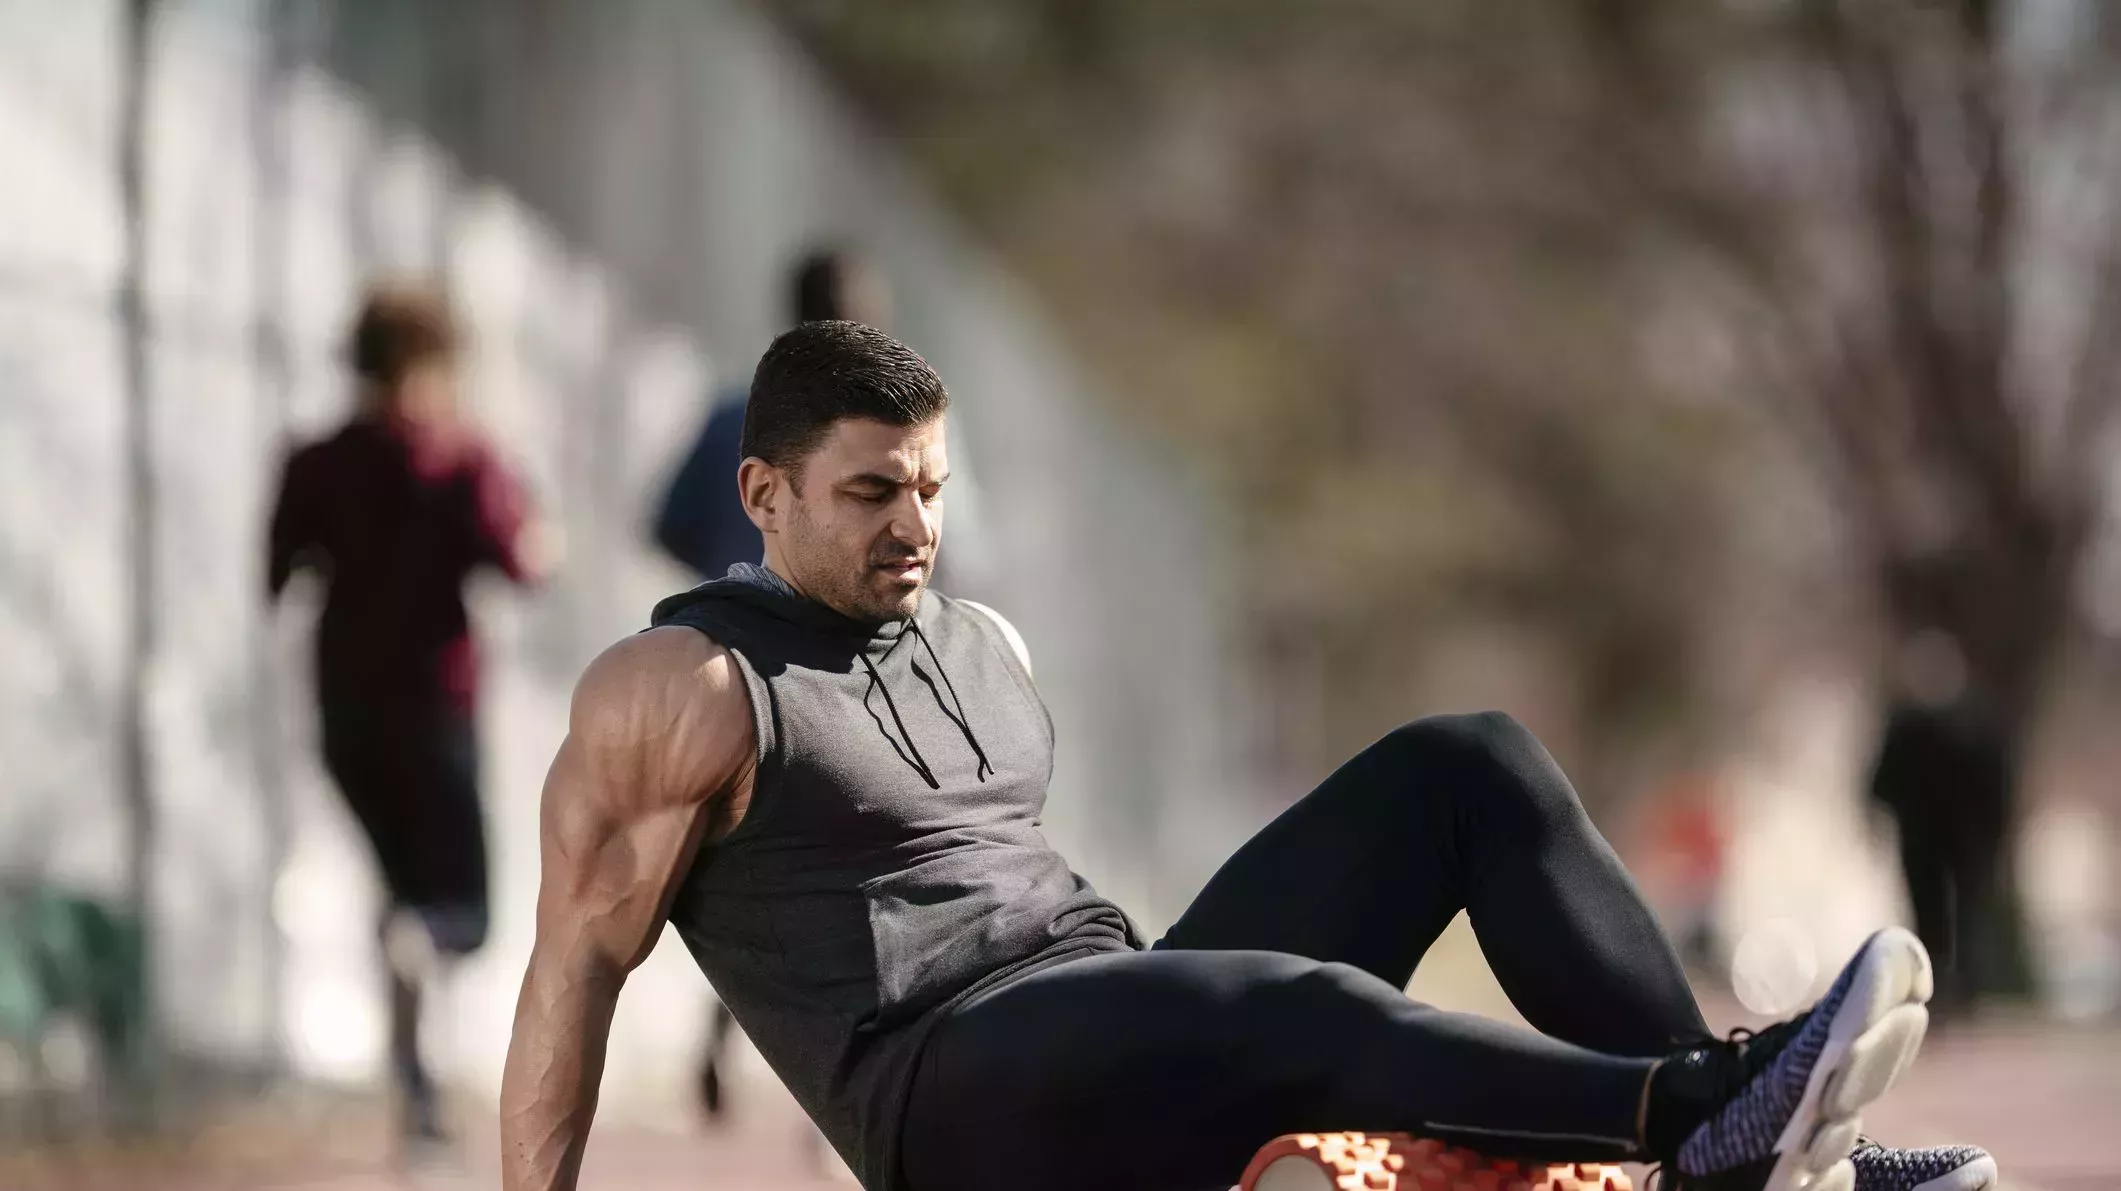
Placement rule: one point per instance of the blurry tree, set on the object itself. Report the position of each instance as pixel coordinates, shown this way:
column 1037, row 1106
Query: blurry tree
column 1401, row 354
column 1901, row 218
column 1458, row 292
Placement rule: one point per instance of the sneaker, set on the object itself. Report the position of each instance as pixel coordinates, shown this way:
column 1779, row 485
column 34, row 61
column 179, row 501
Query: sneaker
column 1938, row 1168
column 1792, row 1124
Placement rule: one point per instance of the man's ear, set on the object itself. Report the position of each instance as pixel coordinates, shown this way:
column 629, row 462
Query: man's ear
column 765, row 491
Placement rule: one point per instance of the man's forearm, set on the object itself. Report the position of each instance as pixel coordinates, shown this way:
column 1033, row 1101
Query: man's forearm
column 549, row 1089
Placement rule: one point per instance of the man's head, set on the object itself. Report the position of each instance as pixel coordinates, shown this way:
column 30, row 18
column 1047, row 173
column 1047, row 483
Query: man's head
column 1930, row 669
column 844, row 463
column 404, row 347
column 829, row 283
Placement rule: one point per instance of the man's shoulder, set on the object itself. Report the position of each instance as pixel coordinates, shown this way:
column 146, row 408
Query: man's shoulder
column 658, row 721
column 725, row 417
column 643, row 683
column 355, row 438
column 318, row 449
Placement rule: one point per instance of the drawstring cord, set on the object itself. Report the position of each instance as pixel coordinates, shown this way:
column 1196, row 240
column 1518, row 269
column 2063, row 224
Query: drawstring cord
column 953, row 709
column 957, row 717
column 876, row 683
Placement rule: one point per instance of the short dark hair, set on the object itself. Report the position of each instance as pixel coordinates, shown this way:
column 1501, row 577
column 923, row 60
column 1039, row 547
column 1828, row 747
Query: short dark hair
column 824, row 371
column 817, row 286
column 400, row 327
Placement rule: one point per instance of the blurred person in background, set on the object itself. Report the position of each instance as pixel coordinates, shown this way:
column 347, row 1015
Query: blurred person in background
column 1690, row 848
column 1943, row 772
column 701, row 523
column 395, row 511
column 828, row 777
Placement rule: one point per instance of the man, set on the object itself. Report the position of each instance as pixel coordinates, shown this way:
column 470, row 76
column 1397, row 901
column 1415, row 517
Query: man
column 828, row 778
column 396, row 509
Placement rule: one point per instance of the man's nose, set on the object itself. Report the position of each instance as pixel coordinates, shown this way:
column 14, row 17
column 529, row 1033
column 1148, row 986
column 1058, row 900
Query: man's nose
column 916, row 522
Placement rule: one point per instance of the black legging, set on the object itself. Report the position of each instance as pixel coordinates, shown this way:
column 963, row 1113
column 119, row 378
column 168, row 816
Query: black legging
column 1276, row 1003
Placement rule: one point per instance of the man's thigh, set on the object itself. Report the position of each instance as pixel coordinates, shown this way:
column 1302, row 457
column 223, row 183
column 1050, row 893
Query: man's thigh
column 1364, row 869
column 1211, row 1054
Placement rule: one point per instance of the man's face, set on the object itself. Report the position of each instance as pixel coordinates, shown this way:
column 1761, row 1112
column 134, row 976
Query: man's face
column 859, row 534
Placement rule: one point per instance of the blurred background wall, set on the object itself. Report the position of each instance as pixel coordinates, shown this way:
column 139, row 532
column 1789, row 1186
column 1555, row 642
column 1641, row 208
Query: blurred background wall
column 613, row 190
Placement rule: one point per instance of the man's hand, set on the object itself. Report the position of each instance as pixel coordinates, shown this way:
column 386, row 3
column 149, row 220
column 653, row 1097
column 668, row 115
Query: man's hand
column 659, row 739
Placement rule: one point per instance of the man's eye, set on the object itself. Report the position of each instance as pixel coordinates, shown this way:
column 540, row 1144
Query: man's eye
column 876, row 498
column 929, row 498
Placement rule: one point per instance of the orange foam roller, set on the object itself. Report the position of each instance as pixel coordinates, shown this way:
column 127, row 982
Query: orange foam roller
column 1398, row 1162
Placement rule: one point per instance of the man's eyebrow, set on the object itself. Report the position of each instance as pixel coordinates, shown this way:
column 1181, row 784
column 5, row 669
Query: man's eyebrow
column 873, row 479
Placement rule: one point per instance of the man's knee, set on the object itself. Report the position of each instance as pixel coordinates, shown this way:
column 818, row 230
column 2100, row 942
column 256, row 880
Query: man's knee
column 1487, row 756
column 1487, row 731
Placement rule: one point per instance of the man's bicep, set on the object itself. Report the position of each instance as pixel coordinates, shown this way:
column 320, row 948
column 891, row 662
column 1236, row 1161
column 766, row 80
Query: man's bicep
column 611, row 859
column 648, row 755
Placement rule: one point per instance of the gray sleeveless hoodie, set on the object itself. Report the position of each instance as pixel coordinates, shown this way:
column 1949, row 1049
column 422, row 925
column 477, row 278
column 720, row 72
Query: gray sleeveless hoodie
column 890, row 864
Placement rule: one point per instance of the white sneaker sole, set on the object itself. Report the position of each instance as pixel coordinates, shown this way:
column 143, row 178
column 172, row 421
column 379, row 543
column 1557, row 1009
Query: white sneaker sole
column 1874, row 1036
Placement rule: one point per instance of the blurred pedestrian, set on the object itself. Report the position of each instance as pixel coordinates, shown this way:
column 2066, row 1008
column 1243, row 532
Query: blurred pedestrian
column 1690, row 849
column 1944, row 771
column 395, row 510
column 701, row 522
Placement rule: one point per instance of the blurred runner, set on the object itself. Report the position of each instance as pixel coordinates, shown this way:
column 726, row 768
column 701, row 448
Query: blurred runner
column 394, row 511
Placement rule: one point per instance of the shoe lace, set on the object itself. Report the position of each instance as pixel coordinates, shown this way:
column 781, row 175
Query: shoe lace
column 1758, row 1048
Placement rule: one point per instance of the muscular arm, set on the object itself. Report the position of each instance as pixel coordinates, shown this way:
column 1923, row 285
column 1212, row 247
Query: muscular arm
column 659, row 735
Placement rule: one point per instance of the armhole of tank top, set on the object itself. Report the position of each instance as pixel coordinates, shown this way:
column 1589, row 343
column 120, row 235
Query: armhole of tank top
column 765, row 731
column 1011, row 644
column 765, row 728
column 999, row 633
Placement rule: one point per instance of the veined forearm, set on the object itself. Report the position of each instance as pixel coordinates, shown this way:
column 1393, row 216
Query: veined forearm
column 549, row 1089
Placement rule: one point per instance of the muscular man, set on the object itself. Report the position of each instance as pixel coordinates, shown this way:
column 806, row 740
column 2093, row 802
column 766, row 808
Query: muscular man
column 829, row 779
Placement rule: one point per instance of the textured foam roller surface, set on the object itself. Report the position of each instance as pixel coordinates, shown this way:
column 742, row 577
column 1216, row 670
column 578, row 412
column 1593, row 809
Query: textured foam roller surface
column 1397, row 1162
